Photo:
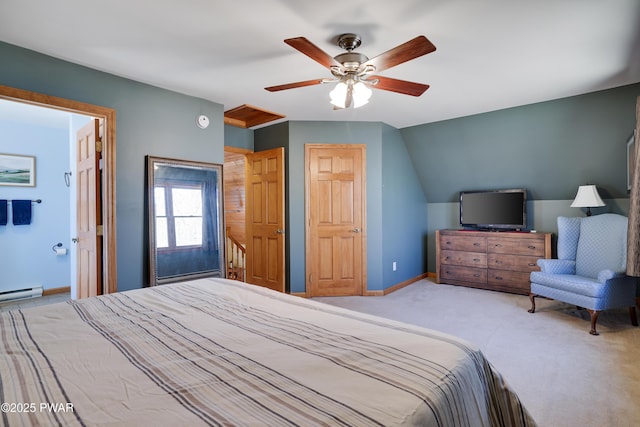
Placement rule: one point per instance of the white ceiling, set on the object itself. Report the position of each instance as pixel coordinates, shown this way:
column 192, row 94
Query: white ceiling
column 491, row 54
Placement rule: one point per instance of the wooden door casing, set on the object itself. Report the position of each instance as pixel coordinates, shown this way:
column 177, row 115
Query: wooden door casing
column 108, row 119
column 265, row 219
column 336, row 219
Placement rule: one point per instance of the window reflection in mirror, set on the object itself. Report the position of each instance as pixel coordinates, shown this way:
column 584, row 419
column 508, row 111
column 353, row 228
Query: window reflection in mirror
column 185, row 220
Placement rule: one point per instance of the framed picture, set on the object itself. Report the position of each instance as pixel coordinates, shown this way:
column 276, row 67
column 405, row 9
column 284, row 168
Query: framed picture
column 631, row 156
column 17, row 170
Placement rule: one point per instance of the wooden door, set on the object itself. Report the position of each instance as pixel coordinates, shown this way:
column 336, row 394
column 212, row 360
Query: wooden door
column 89, row 210
column 265, row 230
column 336, row 219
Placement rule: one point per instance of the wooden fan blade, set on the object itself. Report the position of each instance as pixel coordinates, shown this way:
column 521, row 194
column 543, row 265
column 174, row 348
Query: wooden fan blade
column 402, row 53
column 294, row 85
column 312, row 51
column 399, row 86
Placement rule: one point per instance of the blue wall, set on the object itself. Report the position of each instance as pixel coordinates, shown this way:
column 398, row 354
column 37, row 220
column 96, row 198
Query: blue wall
column 550, row 148
column 238, row 137
column 302, row 133
column 404, row 213
column 26, row 258
column 396, row 215
column 150, row 120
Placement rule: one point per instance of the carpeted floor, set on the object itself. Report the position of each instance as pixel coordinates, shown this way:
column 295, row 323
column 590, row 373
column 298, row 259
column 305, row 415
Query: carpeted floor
column 563, row 375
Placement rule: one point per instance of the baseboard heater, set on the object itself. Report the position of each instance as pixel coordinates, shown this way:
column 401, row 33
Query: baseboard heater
column 25, row 293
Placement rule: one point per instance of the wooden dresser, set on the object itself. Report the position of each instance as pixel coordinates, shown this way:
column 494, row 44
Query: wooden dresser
column 499, row 261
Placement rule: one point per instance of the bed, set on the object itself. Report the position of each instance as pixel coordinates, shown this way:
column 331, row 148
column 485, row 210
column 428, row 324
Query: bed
column 221, row 352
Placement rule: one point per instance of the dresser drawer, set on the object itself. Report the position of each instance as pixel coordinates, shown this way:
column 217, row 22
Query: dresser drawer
column 463, row 243
column 509, row 280
column 515, row 263
column 470, row 259
column 531, row 247
column 465, row 274
column 499, row 261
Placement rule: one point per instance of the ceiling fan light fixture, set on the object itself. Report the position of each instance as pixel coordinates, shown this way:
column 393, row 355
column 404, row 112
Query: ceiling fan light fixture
column 352, row 70
column 361, row 94
column 339, row 95
column 349, row 93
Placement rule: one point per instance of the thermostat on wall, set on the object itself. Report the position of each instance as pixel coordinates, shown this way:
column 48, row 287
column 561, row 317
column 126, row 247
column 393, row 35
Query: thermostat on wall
column 202, row 121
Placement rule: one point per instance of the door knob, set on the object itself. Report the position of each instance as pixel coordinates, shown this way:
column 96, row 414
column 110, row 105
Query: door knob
column 356, row 230
column 279, row 231
column 74, row 240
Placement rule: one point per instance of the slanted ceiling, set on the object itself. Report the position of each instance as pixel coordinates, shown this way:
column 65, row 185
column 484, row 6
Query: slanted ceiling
column 247, row 116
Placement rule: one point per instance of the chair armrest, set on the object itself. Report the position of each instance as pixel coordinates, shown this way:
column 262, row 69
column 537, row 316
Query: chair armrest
column 557, row 266
column 605, row 275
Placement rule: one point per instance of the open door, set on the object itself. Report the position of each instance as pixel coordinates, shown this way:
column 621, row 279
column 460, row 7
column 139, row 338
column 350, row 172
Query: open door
column 105, row 205
column 265, row 219
column 89, row 220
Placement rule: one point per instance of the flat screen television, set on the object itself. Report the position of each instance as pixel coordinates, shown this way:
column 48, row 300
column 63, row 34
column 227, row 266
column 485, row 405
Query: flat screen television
column 494, row 209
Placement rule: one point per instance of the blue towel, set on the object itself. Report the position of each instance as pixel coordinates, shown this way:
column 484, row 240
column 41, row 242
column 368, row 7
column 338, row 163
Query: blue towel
column 21, row 212
column 3, row 212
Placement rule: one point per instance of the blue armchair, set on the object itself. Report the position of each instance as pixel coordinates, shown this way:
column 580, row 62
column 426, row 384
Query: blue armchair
column 590, row 269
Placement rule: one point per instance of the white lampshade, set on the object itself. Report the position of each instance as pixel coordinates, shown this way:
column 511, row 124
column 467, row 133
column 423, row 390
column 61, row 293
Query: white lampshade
column 359, row 91
column 339, row 95
column 361, row 94
column 587, row 197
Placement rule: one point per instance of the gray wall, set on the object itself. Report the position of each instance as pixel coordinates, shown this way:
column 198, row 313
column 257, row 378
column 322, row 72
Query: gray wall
column 550, row 148
column 238, row 137
column 149, row 121
column 404, row 213
column 301, row 133
column 396, row 207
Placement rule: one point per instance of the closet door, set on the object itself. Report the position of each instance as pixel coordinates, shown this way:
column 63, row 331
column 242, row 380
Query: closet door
column 336, row 219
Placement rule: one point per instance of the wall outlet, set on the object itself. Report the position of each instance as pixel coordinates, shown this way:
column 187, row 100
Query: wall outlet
column 395, row 266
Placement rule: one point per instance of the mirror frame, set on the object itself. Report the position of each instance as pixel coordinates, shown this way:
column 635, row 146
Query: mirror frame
column 154, row 279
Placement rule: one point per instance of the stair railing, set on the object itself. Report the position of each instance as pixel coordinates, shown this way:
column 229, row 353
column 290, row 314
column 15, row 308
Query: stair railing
column 236, row 258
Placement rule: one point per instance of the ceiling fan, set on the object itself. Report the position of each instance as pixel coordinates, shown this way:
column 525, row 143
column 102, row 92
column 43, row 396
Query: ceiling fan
column 352, row 71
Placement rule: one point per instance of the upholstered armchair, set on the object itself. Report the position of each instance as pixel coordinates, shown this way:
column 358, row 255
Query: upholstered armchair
column 590, row 269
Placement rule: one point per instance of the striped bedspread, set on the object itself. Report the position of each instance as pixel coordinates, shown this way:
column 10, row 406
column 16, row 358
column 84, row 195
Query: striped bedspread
column 219, row 352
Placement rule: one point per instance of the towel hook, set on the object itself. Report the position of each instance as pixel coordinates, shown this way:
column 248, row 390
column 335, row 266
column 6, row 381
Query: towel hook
column 67, row 179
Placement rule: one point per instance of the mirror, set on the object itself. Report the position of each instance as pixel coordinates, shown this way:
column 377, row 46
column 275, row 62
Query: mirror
column 186, row 223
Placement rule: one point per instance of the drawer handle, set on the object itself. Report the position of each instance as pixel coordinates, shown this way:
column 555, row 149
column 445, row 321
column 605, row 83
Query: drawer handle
column 532, row 264
column 532, row 247
column 476, row 260
column 476, row 244
column 498, row 278
column 447, row 243
column 447, row 258
column 498, row 262
column 476, row 275
column 498, row 245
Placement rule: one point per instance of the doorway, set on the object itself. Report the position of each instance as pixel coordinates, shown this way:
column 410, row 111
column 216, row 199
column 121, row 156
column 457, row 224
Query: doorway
column 107, row 199
column 335, row 201
column 254, row 207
